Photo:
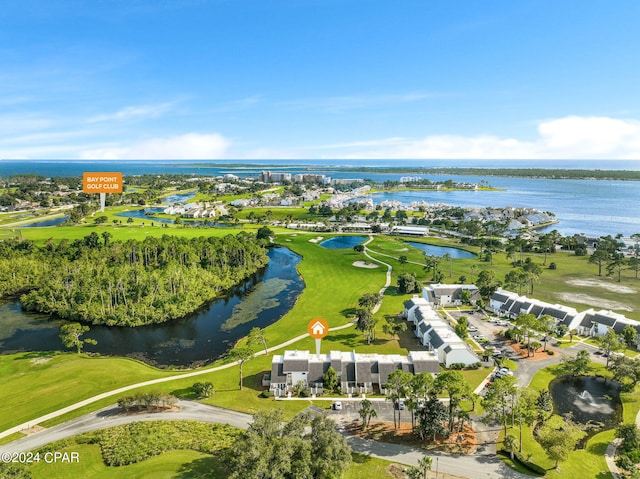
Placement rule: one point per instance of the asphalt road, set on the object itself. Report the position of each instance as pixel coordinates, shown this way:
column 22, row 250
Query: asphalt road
column 481, row 465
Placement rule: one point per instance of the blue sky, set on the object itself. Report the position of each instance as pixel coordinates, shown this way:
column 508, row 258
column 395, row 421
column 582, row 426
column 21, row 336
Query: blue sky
column 239, row 79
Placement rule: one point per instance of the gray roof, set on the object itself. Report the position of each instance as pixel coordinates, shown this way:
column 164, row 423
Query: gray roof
column 435, row 340
column 536, row 310
column 295, row 365
column 277, row 375
column 316, row 371
column 555, row 312
column 363, row 371
column 426, row 366
column 587, row 320
column 606, row 320
column 507, row 304
column 499, row 297
column 348, row 372
column 385, row 369
column 423, row 327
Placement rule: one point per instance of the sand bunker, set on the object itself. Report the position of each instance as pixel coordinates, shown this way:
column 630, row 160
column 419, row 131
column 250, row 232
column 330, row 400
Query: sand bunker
column 592, row 301
column 363, row 264
column 316, row 240
column 594, row 283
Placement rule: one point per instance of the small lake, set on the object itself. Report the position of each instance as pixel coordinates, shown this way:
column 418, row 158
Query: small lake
column 200, row 338
column 440, row 251
column 590, row 400
column 342, row 242
column 142, row 214
column 179, row 198
column 41, row 224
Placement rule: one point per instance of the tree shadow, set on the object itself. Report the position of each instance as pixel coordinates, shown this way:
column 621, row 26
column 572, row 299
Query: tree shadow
column 348, row 339
column 185, row 393
column 408, row 340
column 254, row 381
column 393, row 291
column 206, row 467
column 348, row 313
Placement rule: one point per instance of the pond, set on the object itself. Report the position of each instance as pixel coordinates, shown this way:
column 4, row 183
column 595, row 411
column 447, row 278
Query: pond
column 440, row 251
column 179, row 197
column 43, row 223
column 342, row 242
column 144, row 214
column 592, row 401
column 197, row 339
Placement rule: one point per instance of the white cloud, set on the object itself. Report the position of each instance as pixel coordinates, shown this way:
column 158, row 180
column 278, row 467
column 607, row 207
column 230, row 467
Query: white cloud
column 134, row 113
column 571, row 137
column 190, row 146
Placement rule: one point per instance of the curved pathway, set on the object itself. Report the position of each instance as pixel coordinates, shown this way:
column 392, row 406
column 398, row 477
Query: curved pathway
column 389, row 270
column 98, row 397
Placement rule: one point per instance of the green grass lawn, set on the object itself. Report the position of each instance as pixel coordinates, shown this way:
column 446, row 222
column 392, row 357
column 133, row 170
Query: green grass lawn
column 583, row 463
column 333, row 286
column 171, row 464
column 34, row 384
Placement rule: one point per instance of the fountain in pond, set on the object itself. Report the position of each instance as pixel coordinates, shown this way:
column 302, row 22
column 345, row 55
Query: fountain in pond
column 592, row 402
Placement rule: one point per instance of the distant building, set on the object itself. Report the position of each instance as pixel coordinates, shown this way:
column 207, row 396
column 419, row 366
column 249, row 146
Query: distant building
column 410, row 230
column 450, row 294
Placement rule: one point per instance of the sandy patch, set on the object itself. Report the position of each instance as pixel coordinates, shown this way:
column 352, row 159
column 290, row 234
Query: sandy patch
column 364, row 264
column 596, row 303
column 594, row 283
column 32, row 430
column 316, row 240
column 36, row 361
column 402, row 249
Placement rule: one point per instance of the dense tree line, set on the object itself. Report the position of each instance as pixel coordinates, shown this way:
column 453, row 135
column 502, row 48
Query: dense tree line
column 512, row 172
column 126, row 283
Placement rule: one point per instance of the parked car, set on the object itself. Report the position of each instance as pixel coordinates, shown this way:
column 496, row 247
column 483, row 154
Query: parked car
column 501, row 322
column 401, row 405
column 478, row 337
column 502, row 372
column 472, row 329
column 337, row 406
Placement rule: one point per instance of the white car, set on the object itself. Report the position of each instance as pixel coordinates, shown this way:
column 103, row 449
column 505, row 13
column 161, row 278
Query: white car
column 472, row 329
column 337, row 406
column 478, row 337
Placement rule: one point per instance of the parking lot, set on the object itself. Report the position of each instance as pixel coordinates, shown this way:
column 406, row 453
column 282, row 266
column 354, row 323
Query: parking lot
column 350, row 408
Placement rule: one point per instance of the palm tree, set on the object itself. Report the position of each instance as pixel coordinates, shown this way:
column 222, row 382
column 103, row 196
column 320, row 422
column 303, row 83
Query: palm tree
column 447, row 257
column 510, row 444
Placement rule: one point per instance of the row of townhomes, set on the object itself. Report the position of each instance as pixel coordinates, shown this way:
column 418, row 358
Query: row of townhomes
column 357, row 373
column 432, row 330
column 588, row 323
column 362, row 373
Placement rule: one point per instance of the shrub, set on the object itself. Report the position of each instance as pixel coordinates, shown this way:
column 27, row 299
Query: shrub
column 265, row 393
column 553, row 266
column 457, row 366
column 550, row 353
